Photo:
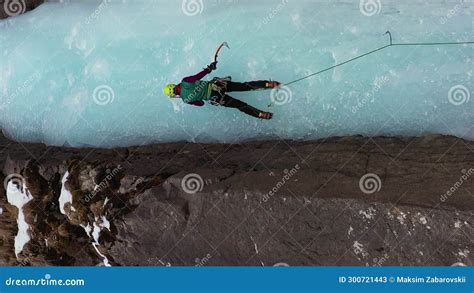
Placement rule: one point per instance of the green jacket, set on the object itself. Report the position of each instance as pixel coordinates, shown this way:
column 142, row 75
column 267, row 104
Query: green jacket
column 194, row 92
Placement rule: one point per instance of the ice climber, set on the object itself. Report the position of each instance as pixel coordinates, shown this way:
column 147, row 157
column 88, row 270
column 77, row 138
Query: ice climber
column 195, row 91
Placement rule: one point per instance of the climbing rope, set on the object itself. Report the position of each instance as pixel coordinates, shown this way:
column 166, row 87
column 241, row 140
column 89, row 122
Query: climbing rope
column 376, row 50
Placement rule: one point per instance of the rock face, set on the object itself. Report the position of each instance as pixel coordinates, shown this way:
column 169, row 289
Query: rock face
column 339, row 201
column 11, row 8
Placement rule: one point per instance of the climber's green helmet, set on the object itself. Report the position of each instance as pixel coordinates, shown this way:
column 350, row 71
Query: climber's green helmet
column 169, row 90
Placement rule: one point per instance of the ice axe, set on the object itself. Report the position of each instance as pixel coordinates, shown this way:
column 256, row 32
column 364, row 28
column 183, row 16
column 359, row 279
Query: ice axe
column 390, row 35
column 224, row 44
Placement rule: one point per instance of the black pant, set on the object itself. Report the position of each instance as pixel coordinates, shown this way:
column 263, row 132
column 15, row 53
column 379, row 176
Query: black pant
column 222, row 99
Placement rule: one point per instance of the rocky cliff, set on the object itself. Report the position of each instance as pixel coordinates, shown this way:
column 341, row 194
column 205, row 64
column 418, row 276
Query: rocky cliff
column 339, row 201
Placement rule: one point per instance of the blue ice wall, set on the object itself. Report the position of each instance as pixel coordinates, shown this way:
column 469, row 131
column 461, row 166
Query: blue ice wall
column 92, row 72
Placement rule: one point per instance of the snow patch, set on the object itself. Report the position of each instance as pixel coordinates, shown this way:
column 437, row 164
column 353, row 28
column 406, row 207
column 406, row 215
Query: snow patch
column 359, row 249
column 368, row 214
column 93, row 232
column 99, row 224
column 105, row 259
column 464, row 253
column 457, row 224
column 105, row 223
column 96, row 232
column 390, row 215
column 88, row 229
column 19, row 196
column 65, row 196
column 350, row 231
column 401, row 217
column 254, row 244
column 423, row 220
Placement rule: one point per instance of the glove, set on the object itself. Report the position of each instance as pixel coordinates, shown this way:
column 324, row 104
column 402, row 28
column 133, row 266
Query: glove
column 213, row 66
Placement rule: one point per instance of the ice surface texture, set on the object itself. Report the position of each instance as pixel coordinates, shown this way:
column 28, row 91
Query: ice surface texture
column 91, row 73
